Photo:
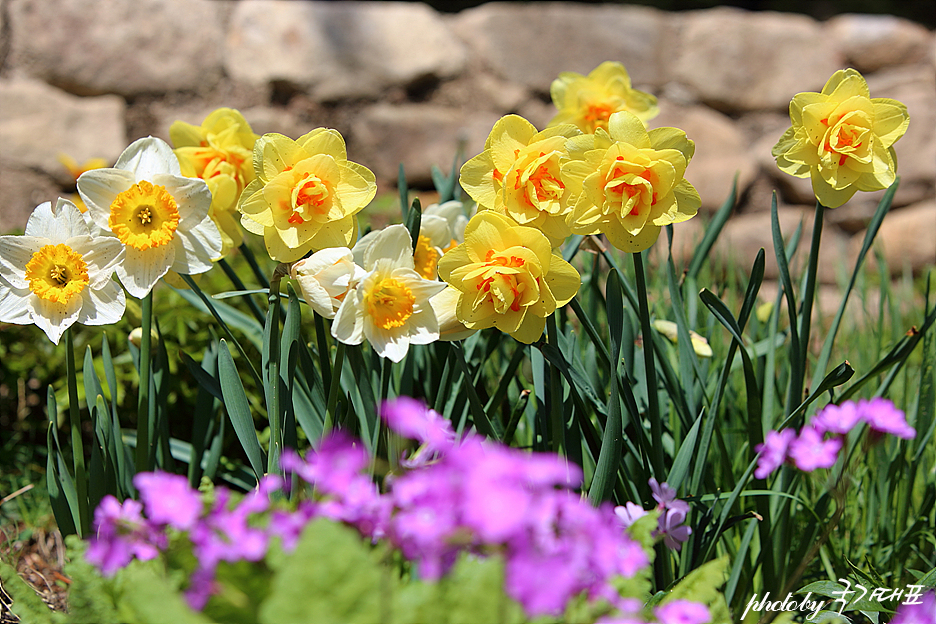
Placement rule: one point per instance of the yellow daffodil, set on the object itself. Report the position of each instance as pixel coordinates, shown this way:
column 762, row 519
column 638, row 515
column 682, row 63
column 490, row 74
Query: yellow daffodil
column 628, row 182
column 518, row 174
column 58, row 274
column 669, row 329
column 507, row 277
column 842, row 139
column 158, row 215
column 390, row 304
column 445, row 305
column 589, row 101
column 219, row 151
column 326, row 277
column 306, row 194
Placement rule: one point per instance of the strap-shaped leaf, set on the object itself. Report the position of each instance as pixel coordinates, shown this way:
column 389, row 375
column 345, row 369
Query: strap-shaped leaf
column 238, row 410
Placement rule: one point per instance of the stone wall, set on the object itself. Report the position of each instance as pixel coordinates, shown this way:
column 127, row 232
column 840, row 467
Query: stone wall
column 406, row 84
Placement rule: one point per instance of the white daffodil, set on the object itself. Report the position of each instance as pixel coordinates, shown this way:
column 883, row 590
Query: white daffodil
column 160, row 217
column 326, row 277
column 390, row 305
column 58, row 274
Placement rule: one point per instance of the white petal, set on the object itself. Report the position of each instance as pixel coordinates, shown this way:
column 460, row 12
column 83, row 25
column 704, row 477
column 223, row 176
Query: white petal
column 348, row 325
column 392, row 242
column 421, row 288
column 148, row 157
column 360, row 248
column 436, row 229
column 98, row 189
column 101, row 253
column 423, row 327
column 196, row 248
column 389, row 344
column 316, row 296
column 321, row 260
column 58, row 224
column 140, row 270
column 103, row 306
column 54, row 318
column 14, row 307
column 192, row 197
column 15, row 254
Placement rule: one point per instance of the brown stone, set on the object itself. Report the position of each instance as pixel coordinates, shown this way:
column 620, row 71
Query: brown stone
column 740, row 61
column 418, row 136
column 115, row 46
column 907, row 239
column 873, row 42
column 530, row 44
column 721, row 151
column 21, row 190
column 40, row 122
column 340, row 49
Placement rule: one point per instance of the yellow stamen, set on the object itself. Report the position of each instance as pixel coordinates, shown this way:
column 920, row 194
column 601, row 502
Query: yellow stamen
column 426, row 258
column 57, row 273
column 389, row 303
column 144, row 216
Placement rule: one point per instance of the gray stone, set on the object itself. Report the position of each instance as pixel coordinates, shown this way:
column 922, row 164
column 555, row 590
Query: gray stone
column 40, row 122
column 872, row 42
column 416, row 135
column 721, row 150
column 340, row 49
column 530, row 44
column 740, row 61
column 114, row 46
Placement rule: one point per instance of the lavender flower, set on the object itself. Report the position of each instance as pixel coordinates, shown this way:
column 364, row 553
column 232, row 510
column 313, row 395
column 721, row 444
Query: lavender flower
column 810, row 451
column 412, row 419
column 883, row 417
column 683, row 612
column 168, row 499
column 773, row 451
column 122, row 534
column 838, row 418
column 629, row 513
column 922, row 612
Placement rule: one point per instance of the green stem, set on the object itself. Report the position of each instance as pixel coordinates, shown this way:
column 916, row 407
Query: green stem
column 554, row 396
column 653, row 399
column 252, row 261
column 272, row 379
column 808, row 296
column 143, row 451
column 334, row 389
column 74, row 416
column 321, row 340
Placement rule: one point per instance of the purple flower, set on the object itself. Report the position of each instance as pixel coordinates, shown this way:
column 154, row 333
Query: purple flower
column 122, row 534
column 773, row 452
column 810, row 451
column 412, row 419
column 671, row 527
column 837, row 418
column 923, row 612
column 683, row 612
column 662, row 492
column 168, row 499
column 882, row 416
column 629, row 513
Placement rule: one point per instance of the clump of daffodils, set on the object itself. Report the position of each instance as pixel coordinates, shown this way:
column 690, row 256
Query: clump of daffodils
column 589, row 101
column 159, row 216
column 220, row 152
column 842, row 139
column 627, row 183
column 58, row 273
column 518, row 174
column 507, row 277
column 305, row 195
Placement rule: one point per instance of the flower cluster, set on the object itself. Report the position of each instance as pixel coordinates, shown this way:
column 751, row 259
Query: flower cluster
column 453, row 496
column 673, row 514
column 817, row 445
column 842, row 139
